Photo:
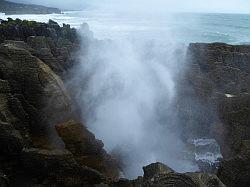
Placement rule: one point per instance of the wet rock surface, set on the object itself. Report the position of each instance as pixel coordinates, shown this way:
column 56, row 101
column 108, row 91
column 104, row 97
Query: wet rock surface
column 230, row 90
column 235, row 171
column 43, row 144
column 87, row 150
column 217, row 83
column 58, row 167
column 34, row 60
column 156, row 169
column 160, row 175
column 218, row 76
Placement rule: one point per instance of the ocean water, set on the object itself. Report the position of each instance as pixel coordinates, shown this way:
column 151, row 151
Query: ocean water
column 180, row 27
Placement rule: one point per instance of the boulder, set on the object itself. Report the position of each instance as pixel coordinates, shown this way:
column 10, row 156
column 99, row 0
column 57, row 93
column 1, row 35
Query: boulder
column 47, row 102
column 154, row 169
column 59, row 167
column 171, row 178
column 160, row 175
column 78, row 139
column 86, row 149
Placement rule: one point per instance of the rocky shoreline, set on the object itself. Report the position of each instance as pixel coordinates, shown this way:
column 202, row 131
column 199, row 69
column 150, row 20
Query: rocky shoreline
column 10, row 8
column 43, row 143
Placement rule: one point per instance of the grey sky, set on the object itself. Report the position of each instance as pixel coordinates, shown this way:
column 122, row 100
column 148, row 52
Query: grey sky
column 234, row 6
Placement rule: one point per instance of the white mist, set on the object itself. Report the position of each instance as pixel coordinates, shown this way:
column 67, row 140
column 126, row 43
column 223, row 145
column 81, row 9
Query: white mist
column 127, row 91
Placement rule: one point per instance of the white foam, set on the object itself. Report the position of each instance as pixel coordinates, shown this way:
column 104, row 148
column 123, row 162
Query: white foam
column 206, row 150
column 200, row 142
column 229, row 95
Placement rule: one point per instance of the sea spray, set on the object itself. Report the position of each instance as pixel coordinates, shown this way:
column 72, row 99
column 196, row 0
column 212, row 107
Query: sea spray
column 126, row 92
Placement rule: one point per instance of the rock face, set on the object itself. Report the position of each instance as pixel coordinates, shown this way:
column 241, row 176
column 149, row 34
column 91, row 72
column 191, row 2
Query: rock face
column 218, row 77
column 87, row 150
column 60, row 166
column 51, row 43
column 156, row 169
column 18, row 8
column 34, row 59
column 160, row 175
column 46, row 102
column 235, row 171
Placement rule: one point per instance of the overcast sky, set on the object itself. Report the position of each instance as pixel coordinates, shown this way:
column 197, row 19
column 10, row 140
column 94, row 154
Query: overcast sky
column 233, row 6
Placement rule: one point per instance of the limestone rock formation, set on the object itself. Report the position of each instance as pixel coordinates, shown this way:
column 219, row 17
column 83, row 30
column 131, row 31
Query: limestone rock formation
column 60, row 167
column 34, row 59
column 160, row 175
column 51, row 43
column 219, row 76
column 86, row 149
column 156, row 169
column 47, row 102
column 42, row 142
column 235, row 171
